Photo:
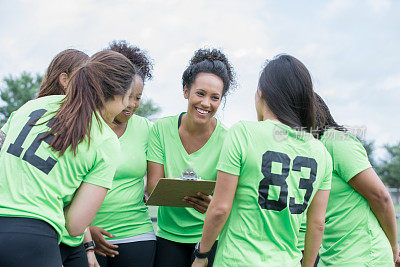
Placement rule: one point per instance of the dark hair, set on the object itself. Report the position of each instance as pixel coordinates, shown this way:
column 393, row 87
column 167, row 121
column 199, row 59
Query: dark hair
column 138, row 58
column 105, row 75
column 287, row 89
column 209, row 61
column 325, row 120
column 66, row 61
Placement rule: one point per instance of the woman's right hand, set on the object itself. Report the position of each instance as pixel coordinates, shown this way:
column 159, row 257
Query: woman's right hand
column 396, row 255
column 103, row 247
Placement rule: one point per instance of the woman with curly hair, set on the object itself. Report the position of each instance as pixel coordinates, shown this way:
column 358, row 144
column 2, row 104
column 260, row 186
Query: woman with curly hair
column 193, row 140
column 122, row 229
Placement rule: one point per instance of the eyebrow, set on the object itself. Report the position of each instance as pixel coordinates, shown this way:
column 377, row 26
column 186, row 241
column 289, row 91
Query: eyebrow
column 217, row 94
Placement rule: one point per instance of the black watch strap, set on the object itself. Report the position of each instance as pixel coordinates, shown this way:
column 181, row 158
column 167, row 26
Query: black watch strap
column 199, row 255
column 89, row 244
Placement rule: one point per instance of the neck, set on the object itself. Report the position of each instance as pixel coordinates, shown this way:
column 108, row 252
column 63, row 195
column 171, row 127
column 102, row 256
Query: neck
column 268, row 115
column 106, row 117
column 196, row 128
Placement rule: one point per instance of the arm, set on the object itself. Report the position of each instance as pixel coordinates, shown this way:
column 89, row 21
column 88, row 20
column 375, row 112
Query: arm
column 83, row 208
column 315, row 227
column 218, row 211
column 368, row 184
column 155, row 171
column 2, row 138
column 92, row 262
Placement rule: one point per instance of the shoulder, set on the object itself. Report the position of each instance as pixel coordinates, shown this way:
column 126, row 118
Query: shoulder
column 334, row 138
column 166, row 123
column 138, row 121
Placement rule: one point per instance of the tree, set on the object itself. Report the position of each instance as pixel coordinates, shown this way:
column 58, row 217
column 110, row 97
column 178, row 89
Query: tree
column 370, row 148
column 16, row 92
column 147, row 108
column 390, row 167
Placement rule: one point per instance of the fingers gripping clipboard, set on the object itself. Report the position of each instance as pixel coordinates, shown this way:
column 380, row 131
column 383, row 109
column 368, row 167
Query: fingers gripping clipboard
column 170, row 191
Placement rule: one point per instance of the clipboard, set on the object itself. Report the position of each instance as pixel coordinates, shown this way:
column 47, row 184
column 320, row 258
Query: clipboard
column 170, row 191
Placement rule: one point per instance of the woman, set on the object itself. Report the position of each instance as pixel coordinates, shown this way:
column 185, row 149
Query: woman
column 360, row 225
column 55, row 82
column 59, row 71
column 270, row 176
column 189, row 140
column 56, row 147
column 123, row 217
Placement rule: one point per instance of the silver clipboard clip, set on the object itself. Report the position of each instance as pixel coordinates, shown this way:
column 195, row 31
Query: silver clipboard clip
column 189, row 174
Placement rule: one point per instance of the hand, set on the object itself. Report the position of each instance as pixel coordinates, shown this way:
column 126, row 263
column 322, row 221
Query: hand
column 396, row 255
column 103, row 247
column 200, row 202
column 92, row 261
column 200, row 263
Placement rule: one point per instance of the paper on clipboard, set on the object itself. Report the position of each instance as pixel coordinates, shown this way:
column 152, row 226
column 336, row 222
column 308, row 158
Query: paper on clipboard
column 170, row 191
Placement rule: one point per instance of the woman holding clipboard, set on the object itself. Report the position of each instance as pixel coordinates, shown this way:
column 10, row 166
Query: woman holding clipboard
column 190, row 140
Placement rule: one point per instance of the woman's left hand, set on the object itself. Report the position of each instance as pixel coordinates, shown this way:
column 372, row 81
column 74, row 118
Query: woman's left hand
column 200, row 263
column 200, row 202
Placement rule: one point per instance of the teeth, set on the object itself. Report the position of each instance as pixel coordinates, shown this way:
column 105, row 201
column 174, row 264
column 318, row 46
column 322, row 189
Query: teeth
column 202, row 111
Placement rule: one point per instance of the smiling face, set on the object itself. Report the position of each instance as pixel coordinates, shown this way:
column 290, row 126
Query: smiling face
column 204, row 97
column 133, row 102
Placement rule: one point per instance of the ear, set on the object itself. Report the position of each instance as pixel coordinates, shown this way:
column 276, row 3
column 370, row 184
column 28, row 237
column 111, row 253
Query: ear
column 63, row 79
column 185, row 92
column 260, row 94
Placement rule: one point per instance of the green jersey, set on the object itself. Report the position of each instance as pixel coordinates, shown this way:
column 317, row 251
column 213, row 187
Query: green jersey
column 35, row 181
column 353, row 236
column 123, row 212
column 280, row 170
column 180, row 224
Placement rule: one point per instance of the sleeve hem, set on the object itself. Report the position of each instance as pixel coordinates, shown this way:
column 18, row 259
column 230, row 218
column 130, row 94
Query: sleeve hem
column 100, row 182
column 355, row 172
column 229, row 169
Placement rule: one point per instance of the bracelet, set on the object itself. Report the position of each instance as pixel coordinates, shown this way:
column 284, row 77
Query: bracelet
column 89, row 244
column 89, row 249
column 198, row 254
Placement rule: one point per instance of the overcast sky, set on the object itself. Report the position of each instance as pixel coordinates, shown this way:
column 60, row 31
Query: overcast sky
column 350, row 47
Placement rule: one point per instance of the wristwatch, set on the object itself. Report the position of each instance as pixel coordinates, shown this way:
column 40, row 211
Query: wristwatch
column 198, row 254
column 89, row 244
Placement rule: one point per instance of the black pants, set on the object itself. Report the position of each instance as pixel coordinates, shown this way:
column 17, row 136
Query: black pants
column 139, row 254
column 73, row 256
column 28, row 242
column 174, row 254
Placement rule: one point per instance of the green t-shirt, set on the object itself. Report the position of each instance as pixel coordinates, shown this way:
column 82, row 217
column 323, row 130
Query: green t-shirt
column 280, row 170
column 178, row 224
column 123, row 212
column 35, row 181
column 353, row 236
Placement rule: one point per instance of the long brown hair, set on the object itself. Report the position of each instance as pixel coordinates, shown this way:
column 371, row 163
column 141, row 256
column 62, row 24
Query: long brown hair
column 287, row 89
column 105, row 75
column 64, row 62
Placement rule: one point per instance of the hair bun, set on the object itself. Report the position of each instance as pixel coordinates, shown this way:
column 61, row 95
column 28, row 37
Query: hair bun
column 138, row 57
column 213, row 55
column 208, row 54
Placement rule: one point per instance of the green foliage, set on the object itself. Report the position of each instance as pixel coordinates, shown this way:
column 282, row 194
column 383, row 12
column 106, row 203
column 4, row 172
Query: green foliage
column 370, row 148
column 16, row 92
column 390, row 167
column 147, row 108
